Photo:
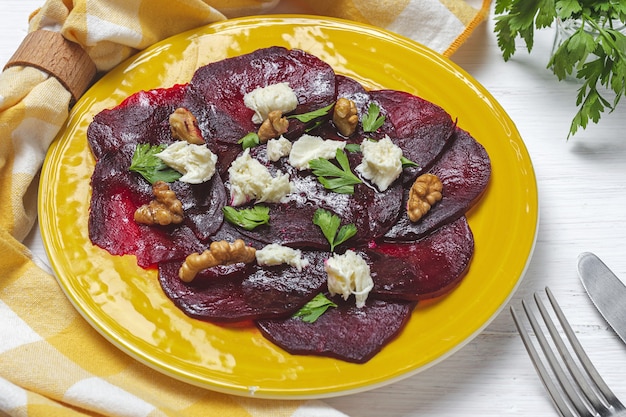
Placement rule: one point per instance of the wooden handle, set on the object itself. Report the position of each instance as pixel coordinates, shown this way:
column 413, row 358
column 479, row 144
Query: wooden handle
column 65, row 60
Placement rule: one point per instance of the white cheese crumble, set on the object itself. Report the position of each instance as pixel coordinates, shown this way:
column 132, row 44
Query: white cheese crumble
column 277, row 148
column 349, row 274
column 275, row 254
column 195, row 162
column 250, row 180
column 382, row 162
column 263, row 100
column 310, row 147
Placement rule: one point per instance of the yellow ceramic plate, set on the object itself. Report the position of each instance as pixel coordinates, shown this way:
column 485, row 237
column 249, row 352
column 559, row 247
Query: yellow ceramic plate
column 125, row 303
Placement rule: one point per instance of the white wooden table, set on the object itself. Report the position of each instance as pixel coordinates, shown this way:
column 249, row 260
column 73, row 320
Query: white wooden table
column 582, row 194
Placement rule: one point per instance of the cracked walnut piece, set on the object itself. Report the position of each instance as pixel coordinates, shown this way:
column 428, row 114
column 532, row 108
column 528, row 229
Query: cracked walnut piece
column 274, row 126
column 345, row 116
column 163, row 210
column 425, row 192
column 219, row 253
column 184, row 126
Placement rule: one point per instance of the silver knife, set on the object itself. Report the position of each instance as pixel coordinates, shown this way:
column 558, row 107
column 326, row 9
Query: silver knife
column 606, row 291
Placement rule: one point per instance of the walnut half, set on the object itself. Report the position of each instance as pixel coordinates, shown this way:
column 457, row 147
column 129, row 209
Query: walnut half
column 219, row 253
column 184, row 126
column 425, row 192
column 163, row 210
column 272, row 127
column 345, row 116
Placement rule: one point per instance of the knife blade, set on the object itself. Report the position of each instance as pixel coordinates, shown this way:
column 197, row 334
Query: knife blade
column 606, row 291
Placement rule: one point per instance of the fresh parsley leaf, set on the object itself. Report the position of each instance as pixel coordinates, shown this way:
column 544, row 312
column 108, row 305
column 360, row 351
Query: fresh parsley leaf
column 312, row 310
column 372, row 120
column 338, row 179
column 249, row 141
column 312, row 115
column 353, row 147
column 329, row 223
column 345, row 233
column 248, row 218
column 407, row 163
column 595, row 52
column 151, row 167
column 314, row 126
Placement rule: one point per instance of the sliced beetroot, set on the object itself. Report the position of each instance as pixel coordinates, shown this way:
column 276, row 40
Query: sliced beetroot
column 245, row 292
column 202, row 205
column 141, row 118
column 223, row 84
column 220, row 130
column 118, row 192
column 424, row 269
column 421, row 128
column 291, row 221
column 353, row 90
column 409, row 261
column 464, row 170
column 348, row 333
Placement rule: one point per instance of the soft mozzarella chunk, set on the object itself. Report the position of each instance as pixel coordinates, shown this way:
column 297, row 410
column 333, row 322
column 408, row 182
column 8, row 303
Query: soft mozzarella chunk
column 382, row 162
column 250, row 180
column 263, row 100
column 349, row 274
column 310, row 147
column 195, row 162
column 275, row 254
column 277, row 148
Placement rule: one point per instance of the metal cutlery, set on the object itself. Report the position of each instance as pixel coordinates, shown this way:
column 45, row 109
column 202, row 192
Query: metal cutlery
column 574, row 385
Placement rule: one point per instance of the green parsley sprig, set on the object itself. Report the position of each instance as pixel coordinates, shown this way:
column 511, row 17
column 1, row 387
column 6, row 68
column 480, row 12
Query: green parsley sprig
column 312, row 115
column 249, row 141
column 329, row 223
column 311, row 311
column 248, row 218
column 595, row 53
column 407, row 163
column 339, row 179
column 150, row 166
column 372, row 120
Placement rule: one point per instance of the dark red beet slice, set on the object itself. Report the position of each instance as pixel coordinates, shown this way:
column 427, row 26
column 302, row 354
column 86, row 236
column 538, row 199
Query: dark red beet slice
column 223, row 84
column 348, row 333
column 291, row 222
column 421, row 128
column 424, row 269
column 421, row 260
column 240, row 292
column 215, row 94
column 353, row 90
column 141, row 118
column 118, row 192
column 464, row 170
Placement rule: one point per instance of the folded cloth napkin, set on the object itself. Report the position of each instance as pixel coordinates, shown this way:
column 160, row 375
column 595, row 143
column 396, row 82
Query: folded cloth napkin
column 51, row 361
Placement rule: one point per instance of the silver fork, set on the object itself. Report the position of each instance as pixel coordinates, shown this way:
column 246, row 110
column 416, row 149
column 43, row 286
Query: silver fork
column 580, row 390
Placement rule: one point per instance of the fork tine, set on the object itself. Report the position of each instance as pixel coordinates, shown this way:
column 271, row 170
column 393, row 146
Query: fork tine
column 576, row 398
column 583, row 392
column 544, row 376
column 602, row 387
column 599, row 396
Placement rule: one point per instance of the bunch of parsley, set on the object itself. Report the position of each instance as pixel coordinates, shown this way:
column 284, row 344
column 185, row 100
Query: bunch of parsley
column 595, row 53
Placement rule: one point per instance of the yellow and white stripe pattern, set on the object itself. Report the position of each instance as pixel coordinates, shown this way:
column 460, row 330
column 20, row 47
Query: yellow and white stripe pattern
column 442, row 25
column 52, row 363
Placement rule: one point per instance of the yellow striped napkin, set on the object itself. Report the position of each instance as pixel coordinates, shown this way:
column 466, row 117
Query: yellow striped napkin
column 51, row 361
